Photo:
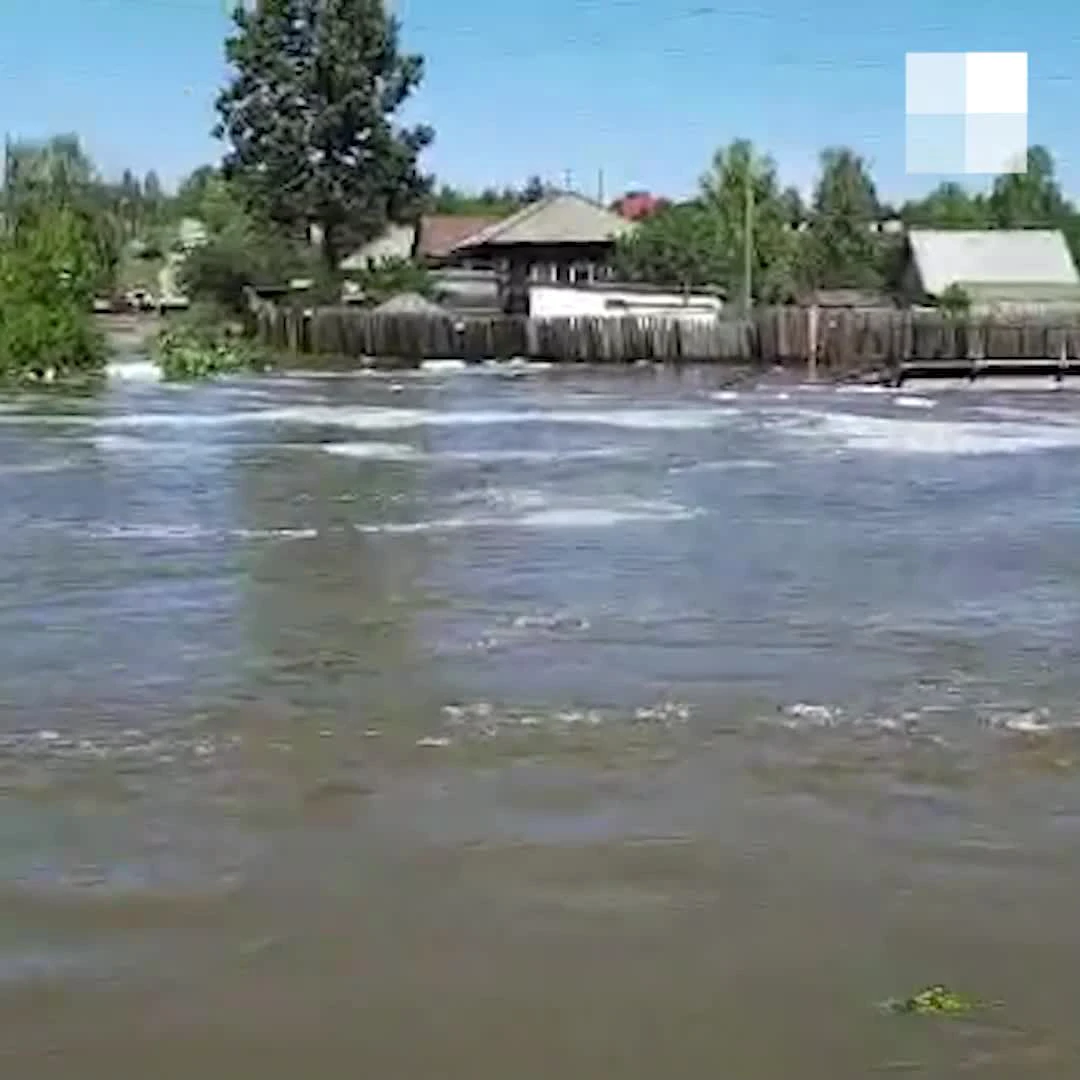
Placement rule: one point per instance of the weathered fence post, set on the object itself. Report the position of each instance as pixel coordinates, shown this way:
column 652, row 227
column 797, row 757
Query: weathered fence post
column 812, row 316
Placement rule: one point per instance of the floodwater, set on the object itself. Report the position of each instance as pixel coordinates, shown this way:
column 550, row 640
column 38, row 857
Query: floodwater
column 523, row 723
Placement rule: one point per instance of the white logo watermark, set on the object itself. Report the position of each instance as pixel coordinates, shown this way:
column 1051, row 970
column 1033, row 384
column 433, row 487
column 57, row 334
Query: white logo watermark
column 966, row 112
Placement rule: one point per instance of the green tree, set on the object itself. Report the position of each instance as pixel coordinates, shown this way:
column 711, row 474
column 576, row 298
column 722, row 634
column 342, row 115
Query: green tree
column 738, row 170
column 534, row 190
column 311, row 118
column 451, row 200
column 948, row 206
column 842, row 245
column 55, row 175
column 677, row 246
column 192, row 190
column 1031, row 199
column 48, row 272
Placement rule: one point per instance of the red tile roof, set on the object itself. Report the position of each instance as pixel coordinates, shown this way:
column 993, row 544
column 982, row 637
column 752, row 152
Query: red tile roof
column 635, row 205
column 439, row 234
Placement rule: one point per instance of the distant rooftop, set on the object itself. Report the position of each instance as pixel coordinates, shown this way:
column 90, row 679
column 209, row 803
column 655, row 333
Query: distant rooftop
column 988, row 258
column 560, row 218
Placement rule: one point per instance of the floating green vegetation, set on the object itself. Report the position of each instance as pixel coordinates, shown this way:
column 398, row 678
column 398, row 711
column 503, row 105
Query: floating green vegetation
column 186, row 353
column 936, row 1000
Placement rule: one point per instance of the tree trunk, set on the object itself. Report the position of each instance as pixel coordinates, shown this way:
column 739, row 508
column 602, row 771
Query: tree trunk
column 329, row 243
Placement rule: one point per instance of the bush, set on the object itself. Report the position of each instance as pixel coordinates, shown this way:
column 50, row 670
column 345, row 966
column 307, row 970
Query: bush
column 242, row 255
column 955, row 301
column 48, row 272
column 191, row 348
column 392, row 276
column 40, row 341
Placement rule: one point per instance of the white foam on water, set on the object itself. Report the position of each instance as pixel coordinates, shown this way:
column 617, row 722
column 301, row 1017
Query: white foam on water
column 858, row 388
column 373, row 451
column 405, row 528
column 529, row 457
column 197, row 532
column 584, row 517
column 441, row 367
column 907, row 401
column 133, row 370
column 733, row 465
column 30, row 468
column 384, row 451
column 531, row 510
column 895, row 435
column 383, row 418
column 111, row 443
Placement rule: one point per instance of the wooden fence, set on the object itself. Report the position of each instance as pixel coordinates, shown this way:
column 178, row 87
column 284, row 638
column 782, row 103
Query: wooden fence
column 834, row 342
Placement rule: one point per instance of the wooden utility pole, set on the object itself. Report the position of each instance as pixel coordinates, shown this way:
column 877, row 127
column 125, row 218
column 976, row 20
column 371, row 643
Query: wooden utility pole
column 748, row 245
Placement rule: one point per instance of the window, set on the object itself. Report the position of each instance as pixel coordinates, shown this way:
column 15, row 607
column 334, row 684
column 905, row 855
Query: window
column 581, row 274
column 562, row 273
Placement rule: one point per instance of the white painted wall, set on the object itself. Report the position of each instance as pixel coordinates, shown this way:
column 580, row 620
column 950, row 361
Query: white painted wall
column 560, row 302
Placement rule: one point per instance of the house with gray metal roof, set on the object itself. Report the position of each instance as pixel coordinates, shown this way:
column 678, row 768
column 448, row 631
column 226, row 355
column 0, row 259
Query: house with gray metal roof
column 1000, row 270
column 563, row 237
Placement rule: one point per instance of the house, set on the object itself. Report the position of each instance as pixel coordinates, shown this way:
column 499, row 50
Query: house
column 552, row 300
column 563, row 237
column 1000, row 270
column 438, row 236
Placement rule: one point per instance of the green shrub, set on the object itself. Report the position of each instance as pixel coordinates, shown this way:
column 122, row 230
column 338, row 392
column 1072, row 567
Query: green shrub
column 187, row 350
column 392, row 276
column 243, row 255
column 955, row 301
column 48, row 271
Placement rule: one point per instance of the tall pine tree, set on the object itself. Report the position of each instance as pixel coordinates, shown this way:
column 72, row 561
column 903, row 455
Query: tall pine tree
column 311, row 118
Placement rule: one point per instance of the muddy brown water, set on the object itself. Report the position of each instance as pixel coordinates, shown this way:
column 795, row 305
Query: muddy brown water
column 520, row 723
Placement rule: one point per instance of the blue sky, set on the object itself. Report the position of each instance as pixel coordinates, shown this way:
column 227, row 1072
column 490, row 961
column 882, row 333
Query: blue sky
column 643, row 89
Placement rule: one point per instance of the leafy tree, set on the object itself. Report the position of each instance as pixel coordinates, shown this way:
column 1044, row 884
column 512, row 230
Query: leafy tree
column 534, row 190
column 948, row 206
column 451, row 200
column 243, row 253
column 192, row 191
column 310, row 116
column 736, row 170
column 676, row 246
column 794, row 209
column 842, row 248
column 48, row 271
column 1030, row 199
column 55, row 175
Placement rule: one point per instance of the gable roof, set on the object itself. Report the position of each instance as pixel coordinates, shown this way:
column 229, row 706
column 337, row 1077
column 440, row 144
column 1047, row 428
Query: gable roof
column 989, row 258
column 560, row 218
column 440, row 234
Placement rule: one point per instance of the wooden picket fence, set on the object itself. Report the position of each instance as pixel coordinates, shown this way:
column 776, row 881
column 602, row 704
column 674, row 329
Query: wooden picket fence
column 832, row 341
